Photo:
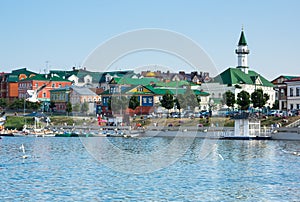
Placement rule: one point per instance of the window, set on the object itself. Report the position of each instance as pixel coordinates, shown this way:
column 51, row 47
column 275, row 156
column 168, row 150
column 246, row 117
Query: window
column 282, row 92
column 36, row 85
column 53, row 85
column 291, row 92
column 298, row 91
column 59, row 85
column 44, row 94
column 292, row 107
column 298, row 106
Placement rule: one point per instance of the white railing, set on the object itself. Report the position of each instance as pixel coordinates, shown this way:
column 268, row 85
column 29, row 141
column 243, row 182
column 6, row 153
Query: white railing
column 294, row 124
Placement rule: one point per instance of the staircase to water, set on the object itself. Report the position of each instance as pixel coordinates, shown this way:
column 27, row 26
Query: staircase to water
column 294, row 124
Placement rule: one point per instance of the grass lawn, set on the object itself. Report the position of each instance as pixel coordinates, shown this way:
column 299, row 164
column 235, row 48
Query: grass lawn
column 17, row 122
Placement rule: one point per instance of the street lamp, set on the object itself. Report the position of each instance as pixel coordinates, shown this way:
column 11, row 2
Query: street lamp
column 211, row 104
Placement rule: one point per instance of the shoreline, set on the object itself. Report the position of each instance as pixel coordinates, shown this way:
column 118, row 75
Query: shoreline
column 186, row 131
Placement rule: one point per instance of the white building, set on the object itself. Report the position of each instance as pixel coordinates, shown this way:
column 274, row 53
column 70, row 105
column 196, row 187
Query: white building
column 239, row 78
column 293, row 94
column 80, row 95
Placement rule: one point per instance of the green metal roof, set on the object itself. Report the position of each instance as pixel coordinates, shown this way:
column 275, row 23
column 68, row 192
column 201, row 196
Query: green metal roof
column 182, row 91
column 156, row 91
column 22, row 71
column 290, row 77
column 232, row 76
column 173, row 84
column 13, row 78
column 14, row 75
column 121, row 73
column 130, row 81
column 63, row 73
column 42, row 77
column 242, row 41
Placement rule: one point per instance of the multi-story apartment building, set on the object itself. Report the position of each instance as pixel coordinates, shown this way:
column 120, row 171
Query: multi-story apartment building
column 293, row 94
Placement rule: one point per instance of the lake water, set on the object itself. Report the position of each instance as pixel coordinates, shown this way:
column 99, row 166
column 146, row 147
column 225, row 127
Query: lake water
column 67, row 169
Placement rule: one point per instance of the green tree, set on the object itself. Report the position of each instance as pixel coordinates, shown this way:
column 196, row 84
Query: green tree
column 229, row 99
column 167, row 101
column 191, row 99
column 133, row 102
column 117, row 104
column 180, row 102
column 52, row 105
column 187, row 100
column 275, row 105
column 29, row 105
column 243, row 100
column 76, row 107
column 84, row 107
column 17, row 104
column 3, row 103
column 68, row 108
column 259, row 98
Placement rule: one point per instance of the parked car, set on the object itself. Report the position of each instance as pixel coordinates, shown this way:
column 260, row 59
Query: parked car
column 204, row 113
column 295, row 112
column 271, row 113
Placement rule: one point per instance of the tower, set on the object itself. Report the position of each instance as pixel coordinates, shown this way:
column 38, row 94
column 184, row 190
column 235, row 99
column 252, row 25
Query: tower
column 242, row 52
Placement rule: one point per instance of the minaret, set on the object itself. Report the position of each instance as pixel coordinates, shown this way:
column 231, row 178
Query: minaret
column 242, row 51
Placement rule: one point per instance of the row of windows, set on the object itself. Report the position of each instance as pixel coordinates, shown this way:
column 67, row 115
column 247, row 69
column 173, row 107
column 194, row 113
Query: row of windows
column 297, row 106
column 23, row 85
column 90, row 100
column 297, row 92
column 58, row 96
column 22, row 95
column 86, row 100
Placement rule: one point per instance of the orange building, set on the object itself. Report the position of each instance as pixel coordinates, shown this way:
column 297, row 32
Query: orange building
column 9, row 82
column 35, row 82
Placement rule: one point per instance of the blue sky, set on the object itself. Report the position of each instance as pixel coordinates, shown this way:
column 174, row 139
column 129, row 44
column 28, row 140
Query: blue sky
column 64, row 32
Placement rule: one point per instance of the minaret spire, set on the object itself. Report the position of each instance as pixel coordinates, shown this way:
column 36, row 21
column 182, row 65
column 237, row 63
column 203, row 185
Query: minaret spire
column 242, row 51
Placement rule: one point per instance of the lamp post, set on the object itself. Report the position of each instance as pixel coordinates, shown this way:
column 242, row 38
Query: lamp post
column 211, row 104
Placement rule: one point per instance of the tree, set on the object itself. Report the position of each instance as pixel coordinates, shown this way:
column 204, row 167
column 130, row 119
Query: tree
column 229, row 99
column 187, row 100
column 18, row 104
column 76, row 107
column 3, row 103
column 259, row 98
column 84, row 107
column 133, row 102
column 52, row 105
column 191, row 99
column 167, row 101
column 117, row 103
column 32, row 105
column 180, row 102
column 68, row 108
column 243, row 100
column 275, row 105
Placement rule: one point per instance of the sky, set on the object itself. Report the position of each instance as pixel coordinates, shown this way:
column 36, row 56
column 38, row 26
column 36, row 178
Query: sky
column 59, row 34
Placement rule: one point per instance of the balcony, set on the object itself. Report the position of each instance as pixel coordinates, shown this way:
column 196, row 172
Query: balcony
column 239, row 51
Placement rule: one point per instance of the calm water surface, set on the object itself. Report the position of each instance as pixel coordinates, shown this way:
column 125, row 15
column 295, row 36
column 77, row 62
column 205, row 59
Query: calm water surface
column 61, row 169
